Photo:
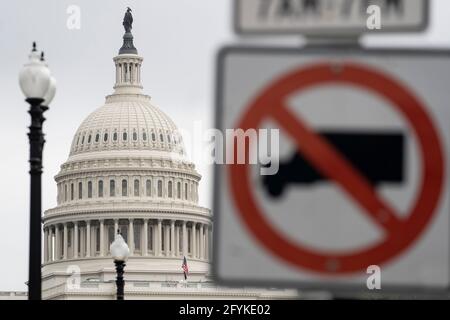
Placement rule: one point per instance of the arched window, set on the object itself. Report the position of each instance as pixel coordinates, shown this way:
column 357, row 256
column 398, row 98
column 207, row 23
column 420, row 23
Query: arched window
column 65, row 192
column 97, row 137
column 148, row 188
column 82, row 140
column 185, row 191
column 89, row 139
column 100, row 189
column 136, row 188
column 124, row 136
column 161, row 137
column 169, row 191
column 179, row 190
column 144, row 136
column 90, row 189
column 168, row 138
column 105, row 137
column 80, row 190
column 153, row 137
column 163, row 232
column 115, row 136
column 112, row 188
column 160, row 188
column 78, row 140
column 71, row 191
column 134, row 136
column 124, row 188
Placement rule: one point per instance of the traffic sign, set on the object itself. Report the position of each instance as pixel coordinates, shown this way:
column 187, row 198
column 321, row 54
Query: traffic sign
column 362, row 179
column 329, row 17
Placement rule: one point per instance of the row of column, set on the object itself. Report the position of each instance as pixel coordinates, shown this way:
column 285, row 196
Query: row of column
column 155, row 237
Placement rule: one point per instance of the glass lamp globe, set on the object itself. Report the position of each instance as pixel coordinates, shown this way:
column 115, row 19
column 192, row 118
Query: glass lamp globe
column 50, row 92
column 119, row 249
column 34, row 78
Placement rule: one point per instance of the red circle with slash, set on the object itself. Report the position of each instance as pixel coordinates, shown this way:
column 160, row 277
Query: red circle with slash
column 399, row 233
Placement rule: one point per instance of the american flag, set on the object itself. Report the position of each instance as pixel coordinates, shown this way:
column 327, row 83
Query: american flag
column 185, row 268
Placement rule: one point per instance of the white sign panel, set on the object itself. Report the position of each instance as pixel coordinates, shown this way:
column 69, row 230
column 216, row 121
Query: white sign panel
column 361, row 196
column 330, row 16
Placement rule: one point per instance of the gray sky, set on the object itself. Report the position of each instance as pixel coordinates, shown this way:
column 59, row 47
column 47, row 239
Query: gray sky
column 178, row 40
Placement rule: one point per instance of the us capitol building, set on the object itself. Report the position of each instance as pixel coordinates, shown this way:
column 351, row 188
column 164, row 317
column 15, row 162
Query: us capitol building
column 127, row 169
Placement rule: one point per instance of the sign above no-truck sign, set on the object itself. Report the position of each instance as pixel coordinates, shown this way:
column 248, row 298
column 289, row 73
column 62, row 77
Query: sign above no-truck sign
column 362, row 182
column 329, row 17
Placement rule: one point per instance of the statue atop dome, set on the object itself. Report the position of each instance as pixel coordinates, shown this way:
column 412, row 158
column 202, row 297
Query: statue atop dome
column 128, row 46
column 128, row 21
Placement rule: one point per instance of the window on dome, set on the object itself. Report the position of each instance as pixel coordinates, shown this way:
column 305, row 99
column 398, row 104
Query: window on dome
column 97, row 137
column 179, row 190
column 153, row 137
column 134, row 136
column 160, row 188
column 169, row 191
column 97, row 239
column 65, row 192
column 136, row 188
column 124, row 188
column 115, row 136
column 148, row 188
column 185, row 191
column 189, row 240
column 89, row 139
column 112, row 188
column 105, row 137
column 161, row 137
column 168, row 138
column 90, row 189
column 144, row 136
column 124, row 136
column 100, row 189
column 78, row 140
column 82, row 140
column 80, row 190
column 71, row 192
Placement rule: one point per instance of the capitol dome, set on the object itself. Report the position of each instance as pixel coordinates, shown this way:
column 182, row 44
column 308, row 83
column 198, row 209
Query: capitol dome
column 127, row 171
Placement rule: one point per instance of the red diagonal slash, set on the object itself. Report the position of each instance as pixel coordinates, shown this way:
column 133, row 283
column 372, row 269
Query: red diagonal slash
column 400, row 231
column 333, row 165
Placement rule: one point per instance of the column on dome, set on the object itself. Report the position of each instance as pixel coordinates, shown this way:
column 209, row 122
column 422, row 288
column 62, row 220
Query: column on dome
column 172, row 238
column 202, row 243
column 57, row 241
column 88, row 238
column 193, row 249
column 102, row 238
column 158, row 238
column 166, row 239
column 144, row 240
column 65, row 242
column 206, row 242
column 45, row 245
column 131, row 236
column 177, row 240
column 185, row 245
column 75, row 239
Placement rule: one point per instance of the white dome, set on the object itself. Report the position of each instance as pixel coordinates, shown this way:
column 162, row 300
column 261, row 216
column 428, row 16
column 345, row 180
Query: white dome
column 127, row 122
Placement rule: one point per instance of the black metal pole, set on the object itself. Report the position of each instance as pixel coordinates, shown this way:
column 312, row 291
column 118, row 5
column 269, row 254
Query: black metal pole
column 36, row 138
column 120, row 265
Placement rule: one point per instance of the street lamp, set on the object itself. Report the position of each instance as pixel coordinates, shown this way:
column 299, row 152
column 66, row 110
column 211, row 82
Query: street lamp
column 39, row 88
column 120, row 253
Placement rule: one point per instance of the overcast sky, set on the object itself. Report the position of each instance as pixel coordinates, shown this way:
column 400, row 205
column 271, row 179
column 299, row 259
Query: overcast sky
column 178, row 40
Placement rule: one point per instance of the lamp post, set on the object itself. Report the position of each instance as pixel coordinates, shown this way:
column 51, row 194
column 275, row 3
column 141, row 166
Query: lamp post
column 120, row 253
column 39, row 88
